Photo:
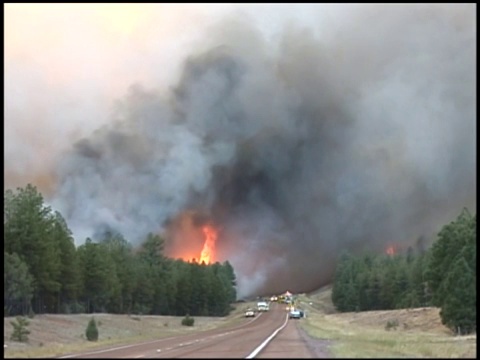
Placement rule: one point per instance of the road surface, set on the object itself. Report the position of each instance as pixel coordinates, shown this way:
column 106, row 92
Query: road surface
column 269, row 335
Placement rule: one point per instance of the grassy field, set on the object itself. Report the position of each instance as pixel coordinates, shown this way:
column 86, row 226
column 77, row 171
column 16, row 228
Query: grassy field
column 419, row 332
column 54, row 335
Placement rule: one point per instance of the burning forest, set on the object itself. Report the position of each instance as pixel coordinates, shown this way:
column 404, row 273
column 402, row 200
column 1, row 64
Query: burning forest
column 277, row 153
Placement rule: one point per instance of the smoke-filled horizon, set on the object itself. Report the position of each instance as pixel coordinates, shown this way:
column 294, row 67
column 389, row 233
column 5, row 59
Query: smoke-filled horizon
column 296, row 147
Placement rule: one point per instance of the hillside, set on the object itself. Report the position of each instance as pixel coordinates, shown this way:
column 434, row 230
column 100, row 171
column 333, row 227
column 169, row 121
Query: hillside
column 415, row 332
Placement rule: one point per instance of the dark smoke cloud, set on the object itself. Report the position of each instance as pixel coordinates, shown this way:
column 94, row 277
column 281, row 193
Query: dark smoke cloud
column 349, row 138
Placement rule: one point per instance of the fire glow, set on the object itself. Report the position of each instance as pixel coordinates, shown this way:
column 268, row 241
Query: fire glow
column 208, row 250
column 391, row 250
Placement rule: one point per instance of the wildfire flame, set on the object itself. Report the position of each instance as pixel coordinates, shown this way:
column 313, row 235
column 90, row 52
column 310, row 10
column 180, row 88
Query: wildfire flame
column 208, row 250
column 391, row 250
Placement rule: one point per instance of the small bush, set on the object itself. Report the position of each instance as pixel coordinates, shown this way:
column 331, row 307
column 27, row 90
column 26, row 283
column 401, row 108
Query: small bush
column 20, row 331
column 31, row 313
column 188, row 320
column 391, row 324
column 92, row 332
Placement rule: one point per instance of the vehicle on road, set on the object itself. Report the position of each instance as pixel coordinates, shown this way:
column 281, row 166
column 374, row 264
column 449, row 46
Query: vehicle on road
column 294, row 314
column 262, row 306
column 250, row 313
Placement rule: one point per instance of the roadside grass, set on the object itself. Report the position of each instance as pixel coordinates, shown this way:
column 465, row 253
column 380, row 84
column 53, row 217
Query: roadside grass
column 58, row 349
column 56, row 335
column 365, row 335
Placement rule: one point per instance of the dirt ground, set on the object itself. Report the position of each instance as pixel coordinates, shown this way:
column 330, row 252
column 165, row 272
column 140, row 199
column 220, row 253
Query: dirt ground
column 425, row 319
column 318, row 347
column 418, row 319
column 58, row 334
column 52, row 335
column 418, row 331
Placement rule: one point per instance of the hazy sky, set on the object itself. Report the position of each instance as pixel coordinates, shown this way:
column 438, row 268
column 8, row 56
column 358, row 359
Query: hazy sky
column 299, row 131
column 66, row 64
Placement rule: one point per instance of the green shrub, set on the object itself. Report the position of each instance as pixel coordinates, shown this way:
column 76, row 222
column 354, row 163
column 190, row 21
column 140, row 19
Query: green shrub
column 31, row 313
column 20, row 331
column 391, row 324
column 92, row 332
column 188, row 320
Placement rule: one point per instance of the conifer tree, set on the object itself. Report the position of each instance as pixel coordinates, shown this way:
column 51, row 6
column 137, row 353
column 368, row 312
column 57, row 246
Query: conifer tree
column 91, row 332
column 459, row 308
column 20, row 331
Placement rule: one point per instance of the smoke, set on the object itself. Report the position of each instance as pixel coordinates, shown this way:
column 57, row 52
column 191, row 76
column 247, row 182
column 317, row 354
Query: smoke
column 297, row 144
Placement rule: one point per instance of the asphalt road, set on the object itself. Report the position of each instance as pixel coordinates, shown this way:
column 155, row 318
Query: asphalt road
column 241, row 341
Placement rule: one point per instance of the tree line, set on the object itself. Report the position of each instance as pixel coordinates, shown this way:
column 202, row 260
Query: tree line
column 443, row 276
column 44, row 272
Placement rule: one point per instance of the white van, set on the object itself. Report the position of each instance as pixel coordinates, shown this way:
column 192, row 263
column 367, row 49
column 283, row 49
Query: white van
column 262, row 306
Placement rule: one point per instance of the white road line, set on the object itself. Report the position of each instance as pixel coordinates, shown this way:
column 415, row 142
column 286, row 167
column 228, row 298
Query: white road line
column 265, row 343
column 111, row 349
column 139, row 344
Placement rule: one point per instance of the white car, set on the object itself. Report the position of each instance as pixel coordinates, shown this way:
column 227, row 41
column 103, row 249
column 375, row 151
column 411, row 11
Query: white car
column 294, row 314
column 262, row 306
column 250, row 313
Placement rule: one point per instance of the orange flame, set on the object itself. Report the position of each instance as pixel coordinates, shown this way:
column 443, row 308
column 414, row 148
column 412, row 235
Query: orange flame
column 209, row 245
column 391, row 250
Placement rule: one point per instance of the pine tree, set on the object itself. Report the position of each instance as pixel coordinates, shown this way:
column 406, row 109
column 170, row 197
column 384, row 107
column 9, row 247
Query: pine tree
column 152, row 250
column 231, row 280
column 98, row 274
column 121, row 254
column 27, row 232
column 184, row 290
column 91, row 332
column 459, row 310
column 69, row 269
column 17, row 284
column 451, row 239
column 343, row 293
column 20, row 331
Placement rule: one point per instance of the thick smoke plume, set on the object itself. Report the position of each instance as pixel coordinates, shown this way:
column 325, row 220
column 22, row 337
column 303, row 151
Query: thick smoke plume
column 297, row 148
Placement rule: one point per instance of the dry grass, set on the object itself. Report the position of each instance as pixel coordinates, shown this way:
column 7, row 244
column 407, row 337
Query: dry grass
column 419, row 333
column 53, row 335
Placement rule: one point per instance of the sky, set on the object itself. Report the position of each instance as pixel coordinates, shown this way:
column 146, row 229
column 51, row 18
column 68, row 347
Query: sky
column 298, row 131
column 67, row 64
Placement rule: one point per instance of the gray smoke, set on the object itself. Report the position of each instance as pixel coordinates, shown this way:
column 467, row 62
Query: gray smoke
column 351, row 136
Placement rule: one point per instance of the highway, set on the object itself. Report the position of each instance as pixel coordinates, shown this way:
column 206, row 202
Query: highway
column 268, row 335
